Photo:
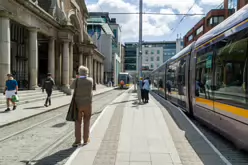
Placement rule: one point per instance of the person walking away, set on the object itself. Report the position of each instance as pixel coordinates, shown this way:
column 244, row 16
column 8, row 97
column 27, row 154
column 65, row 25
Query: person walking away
column 83, row 100
column 122, row 84
column 141, row 84
column 11, row 89
column 146, row 88
column 48, row 86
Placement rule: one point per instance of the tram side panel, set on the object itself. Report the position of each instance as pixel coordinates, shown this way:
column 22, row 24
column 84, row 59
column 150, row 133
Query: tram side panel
column 219, row 72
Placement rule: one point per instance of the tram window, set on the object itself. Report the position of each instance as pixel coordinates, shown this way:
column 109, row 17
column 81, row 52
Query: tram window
column 171, row 77
column 204, row 72
column 181, row 76
column 231, row 70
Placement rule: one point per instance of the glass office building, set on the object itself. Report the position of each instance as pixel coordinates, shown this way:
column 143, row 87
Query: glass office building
column 130, row 56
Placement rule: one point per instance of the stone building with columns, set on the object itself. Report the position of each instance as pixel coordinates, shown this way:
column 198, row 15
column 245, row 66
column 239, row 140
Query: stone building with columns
column 41, row 36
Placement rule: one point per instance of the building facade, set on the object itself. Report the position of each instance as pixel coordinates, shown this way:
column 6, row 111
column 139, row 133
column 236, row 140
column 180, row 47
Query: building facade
column 42, row 36
column 130, row 63
column 152, row 57
column 106, row 34
column 122, row 58
column 153, row 54
column 213, row 18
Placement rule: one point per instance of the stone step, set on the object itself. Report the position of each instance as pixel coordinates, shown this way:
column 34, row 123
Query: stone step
column 29, row 94
column 32, row 99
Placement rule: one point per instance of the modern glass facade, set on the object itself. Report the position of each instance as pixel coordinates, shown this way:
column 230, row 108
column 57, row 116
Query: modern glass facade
column 233, row 4
column 169, row 50
column 130, row 57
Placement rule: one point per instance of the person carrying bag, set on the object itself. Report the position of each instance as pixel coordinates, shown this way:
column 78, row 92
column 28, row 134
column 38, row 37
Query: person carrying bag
column 72, row 114
column 81, row 105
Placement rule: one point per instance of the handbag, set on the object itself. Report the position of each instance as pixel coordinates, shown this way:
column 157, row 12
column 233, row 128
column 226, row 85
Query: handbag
column 15, row 98
column 72, row 114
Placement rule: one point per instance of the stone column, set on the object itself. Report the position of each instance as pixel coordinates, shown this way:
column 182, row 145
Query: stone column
column 4, row 50
column 99, row 72
column 58, row 75
column 71, row 61
column 33, row 58
column 90, row 65
column 81, row 59
column 96, row 72
column 66, row 63
column 51, row 57
column 84, row 60
column 102, row 73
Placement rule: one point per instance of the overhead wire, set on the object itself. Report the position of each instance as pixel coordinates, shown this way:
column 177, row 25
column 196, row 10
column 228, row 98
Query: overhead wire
column 183, row 18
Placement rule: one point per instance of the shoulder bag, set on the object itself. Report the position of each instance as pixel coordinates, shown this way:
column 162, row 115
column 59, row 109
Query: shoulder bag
column 72, row 114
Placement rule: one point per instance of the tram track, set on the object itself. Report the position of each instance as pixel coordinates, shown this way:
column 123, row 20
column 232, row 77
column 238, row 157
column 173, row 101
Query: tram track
column 51, row 140
column 61, row 111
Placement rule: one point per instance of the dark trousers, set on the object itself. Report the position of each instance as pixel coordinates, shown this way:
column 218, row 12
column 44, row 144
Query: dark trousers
column 48, row 99
column 142, row 94
column 146, row 94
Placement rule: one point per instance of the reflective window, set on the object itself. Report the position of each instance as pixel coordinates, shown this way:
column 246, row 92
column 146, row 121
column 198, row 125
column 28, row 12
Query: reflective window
column 204, row 71
column 130, row 66
column 190, row 37
column 146, row 59
column 199, row 30
column 158, row 58
column 231, row 70
column 146, row 51
column 233, row 4
column 215, row 20
column 152, row 58
column 152, row 66
column 130, row 60
column 158, row 51
column 152, row 52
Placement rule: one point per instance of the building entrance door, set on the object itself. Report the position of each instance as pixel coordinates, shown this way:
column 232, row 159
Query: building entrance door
column 19, row 60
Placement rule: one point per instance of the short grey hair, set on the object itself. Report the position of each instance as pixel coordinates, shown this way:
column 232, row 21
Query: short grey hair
column 83, row 71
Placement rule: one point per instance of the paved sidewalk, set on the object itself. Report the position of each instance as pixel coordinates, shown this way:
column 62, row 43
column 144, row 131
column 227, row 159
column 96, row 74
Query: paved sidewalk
column 31, row 109
column 128, row 134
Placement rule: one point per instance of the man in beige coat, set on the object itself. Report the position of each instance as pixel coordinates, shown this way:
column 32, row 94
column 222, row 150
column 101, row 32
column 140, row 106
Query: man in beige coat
column 83, row 99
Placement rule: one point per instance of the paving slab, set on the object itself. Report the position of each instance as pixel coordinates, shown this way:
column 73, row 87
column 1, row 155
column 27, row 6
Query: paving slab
column 129, row 134
column 28, row 110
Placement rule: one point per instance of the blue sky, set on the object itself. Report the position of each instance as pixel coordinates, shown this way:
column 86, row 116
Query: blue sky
column 155, row 27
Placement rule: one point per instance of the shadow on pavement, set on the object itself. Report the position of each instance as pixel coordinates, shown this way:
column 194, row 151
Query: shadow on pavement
column 59, row 125
column 34, row 107
column 53, row 159
column 123, row 102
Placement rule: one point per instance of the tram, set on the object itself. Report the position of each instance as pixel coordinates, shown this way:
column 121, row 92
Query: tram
column 208, row 79
column 124, row 80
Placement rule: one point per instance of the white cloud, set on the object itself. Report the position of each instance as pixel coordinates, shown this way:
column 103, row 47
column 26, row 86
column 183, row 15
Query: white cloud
column 211, row 2
column 153, row 25
column 182, row 6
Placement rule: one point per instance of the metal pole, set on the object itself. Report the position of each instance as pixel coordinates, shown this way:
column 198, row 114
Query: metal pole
column 140, row 46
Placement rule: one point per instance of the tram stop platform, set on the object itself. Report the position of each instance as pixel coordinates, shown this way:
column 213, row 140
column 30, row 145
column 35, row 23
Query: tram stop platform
column 129, row 133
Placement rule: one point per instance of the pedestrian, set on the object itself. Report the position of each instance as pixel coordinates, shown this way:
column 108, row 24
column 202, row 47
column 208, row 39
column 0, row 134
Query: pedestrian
column 11, row 89
column 48, row 84
column 83, row 87
column 146, row 89
column 141, row 83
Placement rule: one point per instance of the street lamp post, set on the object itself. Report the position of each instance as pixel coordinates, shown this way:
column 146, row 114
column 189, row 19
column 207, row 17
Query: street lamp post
column 140, row 48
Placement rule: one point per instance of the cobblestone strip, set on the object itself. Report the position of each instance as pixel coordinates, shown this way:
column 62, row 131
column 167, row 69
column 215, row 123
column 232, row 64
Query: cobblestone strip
column 106, row 155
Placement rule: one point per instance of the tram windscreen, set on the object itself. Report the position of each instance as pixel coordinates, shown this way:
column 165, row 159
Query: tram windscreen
column 123, row 77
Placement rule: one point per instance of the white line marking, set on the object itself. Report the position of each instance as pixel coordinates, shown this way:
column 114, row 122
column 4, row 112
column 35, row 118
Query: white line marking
column 203, row 136
column 206, row 139
column 75, row 153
